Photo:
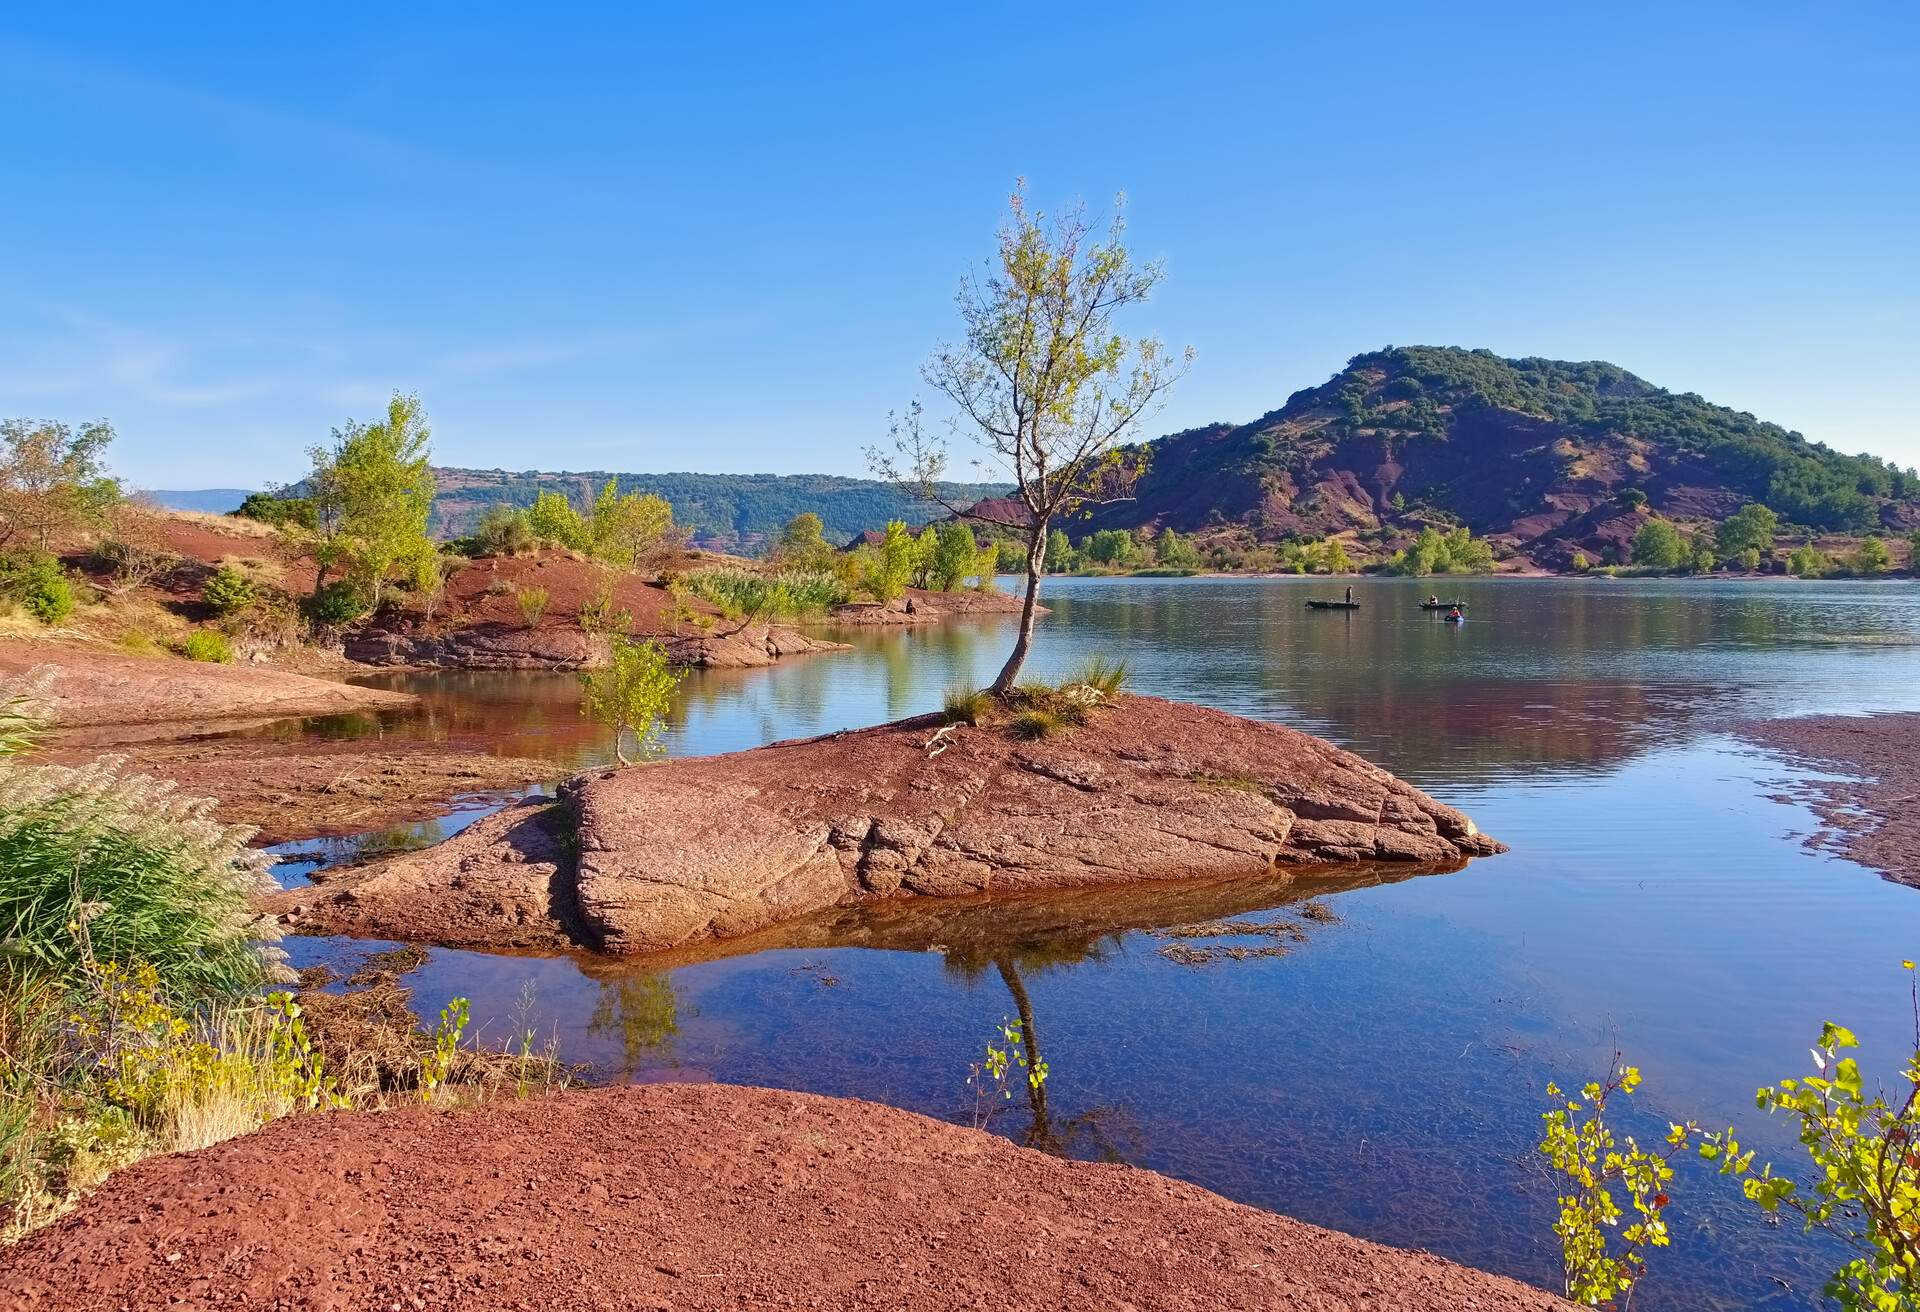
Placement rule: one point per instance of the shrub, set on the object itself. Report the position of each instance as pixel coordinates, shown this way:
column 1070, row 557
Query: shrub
column 339, row 602
column 1872, row 558
column 966, row 705
column 532, row 602
column 140, row 643
column 503, row 531
column 229, row 591
column 280, row 511
column 1748, row 558
column 35, row 581
column 1580, row 562
column 632, row 694
column 209, row 645
column 1808, row 562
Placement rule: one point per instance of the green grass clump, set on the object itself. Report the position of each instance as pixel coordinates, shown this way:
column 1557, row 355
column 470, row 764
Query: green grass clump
column 966, row 705
column 1035, row 722
column 750, row 594
column 140, row 643
column 1103, row 675
column 208, row 645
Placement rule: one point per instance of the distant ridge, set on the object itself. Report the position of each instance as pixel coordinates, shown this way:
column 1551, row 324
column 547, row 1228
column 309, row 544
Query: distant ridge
column 211, row 500
column 726, row 511
column 1539, row 455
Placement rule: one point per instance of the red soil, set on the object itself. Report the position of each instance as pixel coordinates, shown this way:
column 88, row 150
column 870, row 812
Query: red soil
column 692, row 1197
column 1868, row 816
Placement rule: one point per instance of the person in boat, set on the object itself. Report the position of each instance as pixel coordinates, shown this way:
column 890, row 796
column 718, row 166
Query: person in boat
column 1433, row 599
column 1349, row 594
column 1454, row 614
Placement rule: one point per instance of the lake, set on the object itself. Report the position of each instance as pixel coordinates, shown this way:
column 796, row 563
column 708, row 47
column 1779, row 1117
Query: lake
column 1384, row 1075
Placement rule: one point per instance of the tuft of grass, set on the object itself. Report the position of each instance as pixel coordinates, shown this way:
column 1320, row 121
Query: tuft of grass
column 1103, row 675
column 1035, row 722
column 140, row 643
column 966, row 705
column 208, row 645
column 533, row 604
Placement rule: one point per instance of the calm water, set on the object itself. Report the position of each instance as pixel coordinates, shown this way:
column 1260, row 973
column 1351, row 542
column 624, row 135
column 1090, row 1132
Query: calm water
column 1384, row 1076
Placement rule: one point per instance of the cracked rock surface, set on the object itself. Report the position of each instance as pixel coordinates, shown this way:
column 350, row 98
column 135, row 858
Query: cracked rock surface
column 661, row 855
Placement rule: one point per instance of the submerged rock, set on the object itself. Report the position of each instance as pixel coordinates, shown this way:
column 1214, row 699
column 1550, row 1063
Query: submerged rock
column 661, row 855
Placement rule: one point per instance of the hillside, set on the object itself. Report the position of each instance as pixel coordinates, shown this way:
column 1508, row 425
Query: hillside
column 1534, row 454
column 726, row 511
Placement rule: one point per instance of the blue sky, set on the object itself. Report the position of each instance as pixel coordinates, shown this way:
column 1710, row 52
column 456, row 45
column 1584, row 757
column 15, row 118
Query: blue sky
column 723, row 238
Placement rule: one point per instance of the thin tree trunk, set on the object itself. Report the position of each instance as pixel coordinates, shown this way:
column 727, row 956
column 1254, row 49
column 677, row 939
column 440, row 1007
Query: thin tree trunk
column 1036, row 561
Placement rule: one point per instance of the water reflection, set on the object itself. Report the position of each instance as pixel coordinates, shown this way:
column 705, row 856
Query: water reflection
column 1384, row 1077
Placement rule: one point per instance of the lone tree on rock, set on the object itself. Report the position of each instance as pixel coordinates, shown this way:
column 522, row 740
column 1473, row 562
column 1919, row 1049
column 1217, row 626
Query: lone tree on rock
column 1043, row 383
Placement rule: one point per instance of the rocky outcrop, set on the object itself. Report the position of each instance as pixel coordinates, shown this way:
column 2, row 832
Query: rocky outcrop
column 661, row 855
column 85, row 686
column 493, row 646
column 692, row 1196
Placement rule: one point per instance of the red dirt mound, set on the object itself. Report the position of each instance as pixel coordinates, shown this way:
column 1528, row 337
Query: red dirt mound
column 690, row 1197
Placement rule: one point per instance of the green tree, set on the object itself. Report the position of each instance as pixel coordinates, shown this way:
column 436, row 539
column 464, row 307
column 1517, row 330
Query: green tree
column 1752, row 527
column 1808, row 562
column 227, row 591
column 632, row 530
column 1871, row 558
column 633, row 694
column 889, row 566
column 1580, row 562
column 373, row 491
column 552, row 518
column 279, row 510
column 1913, row 553
column 53, row 481
column 1060, row 552
column 1111, row 546
column 1044, row 382
column 1174, row 551
column 925, row 548
column 1658, row 545
column 802, row 544
column 955, row 556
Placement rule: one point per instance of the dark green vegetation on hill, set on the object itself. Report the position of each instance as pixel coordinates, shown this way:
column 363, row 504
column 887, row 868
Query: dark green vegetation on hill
column 729, row 511
column 1534, row 454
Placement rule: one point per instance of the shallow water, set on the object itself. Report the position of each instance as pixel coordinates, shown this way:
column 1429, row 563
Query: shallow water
column 1384, row 1075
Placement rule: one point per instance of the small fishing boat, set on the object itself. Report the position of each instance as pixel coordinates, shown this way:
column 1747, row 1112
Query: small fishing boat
column 1333, row 605
column 1443, row 605
column 1453, row 619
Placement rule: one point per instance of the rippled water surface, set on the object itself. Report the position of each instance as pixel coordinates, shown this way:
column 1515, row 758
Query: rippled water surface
column 1384, row 1074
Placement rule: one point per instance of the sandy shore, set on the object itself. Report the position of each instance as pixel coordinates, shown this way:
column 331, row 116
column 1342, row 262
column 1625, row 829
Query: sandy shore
column 1869, row 816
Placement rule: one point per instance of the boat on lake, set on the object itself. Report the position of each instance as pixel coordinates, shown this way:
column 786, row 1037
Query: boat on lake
column 1443, row 605
column 1333, row 605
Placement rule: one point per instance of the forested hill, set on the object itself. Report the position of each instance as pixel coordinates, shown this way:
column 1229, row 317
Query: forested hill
column 726, row 511
column 1537, row 452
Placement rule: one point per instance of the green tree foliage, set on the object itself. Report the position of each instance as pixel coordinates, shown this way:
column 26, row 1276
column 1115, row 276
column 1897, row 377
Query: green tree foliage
column 1871, row 558
column 1111, row 546
column 372, row 492
column 1174, row 551
column 631, row 529
column 1752, row 527
column 553, row 519
column 279, row 510
column 1658, row 545
column 227, row 591
column 1455, row 551
column 1581, row 564
column 1913, row 553
column 886, row 569
column 53, row 481
column 956, row 556
column 803, row 544
column 1334, row 558
column 1060, row 553
column 633, row 694
column 1044, row 382
column 1808, row 562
